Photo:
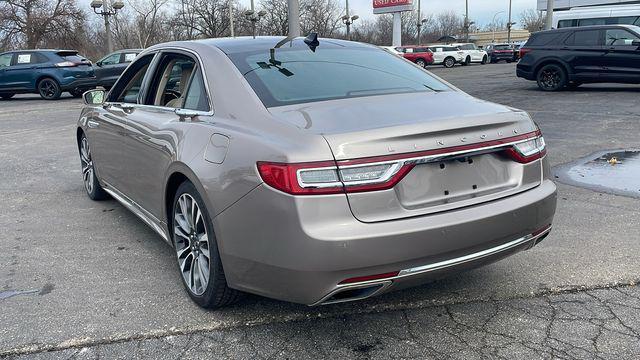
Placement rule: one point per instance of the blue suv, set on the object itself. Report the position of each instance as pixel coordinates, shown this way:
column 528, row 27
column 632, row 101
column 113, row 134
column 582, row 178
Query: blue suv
column 45, row 72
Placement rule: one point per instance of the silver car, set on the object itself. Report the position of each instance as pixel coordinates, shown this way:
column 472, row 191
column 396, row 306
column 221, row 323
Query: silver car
column 312, row 171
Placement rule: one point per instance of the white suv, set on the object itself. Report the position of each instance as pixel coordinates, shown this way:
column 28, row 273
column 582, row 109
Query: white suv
column 446, row 55
column 472, row 53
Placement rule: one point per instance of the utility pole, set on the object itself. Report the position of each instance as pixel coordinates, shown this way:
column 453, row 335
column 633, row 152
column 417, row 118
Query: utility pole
column 294, row 17
column 231, row 19
column 106, row 12
column 509, row 24
column 549, row 24
column 466, row 20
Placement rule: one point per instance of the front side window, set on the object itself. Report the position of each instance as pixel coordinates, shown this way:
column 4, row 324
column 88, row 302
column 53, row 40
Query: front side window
column 110, row 59
column 129, row 85
column 5, row 60
column 296, row 74
column 590, row 22
column 619, row 37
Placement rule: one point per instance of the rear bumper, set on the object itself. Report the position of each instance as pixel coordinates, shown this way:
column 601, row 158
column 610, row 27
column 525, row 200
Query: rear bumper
column 300, row 248
column 523, row 73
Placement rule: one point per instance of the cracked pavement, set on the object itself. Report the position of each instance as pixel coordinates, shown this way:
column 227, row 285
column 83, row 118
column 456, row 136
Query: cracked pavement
column 80, row 279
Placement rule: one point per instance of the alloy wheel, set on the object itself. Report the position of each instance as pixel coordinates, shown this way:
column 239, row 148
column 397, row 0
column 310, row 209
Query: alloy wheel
column 550, row 78
column 48, row 89
column 87, row 165
column 192, row 244
column 420, row 63
column 449, row 63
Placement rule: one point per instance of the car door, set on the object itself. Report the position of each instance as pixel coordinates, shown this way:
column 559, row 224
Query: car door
column 153, row 129
column 23, row 72
column 106, row 129
column 584, row 52
column 107, row 69
column 622, row 57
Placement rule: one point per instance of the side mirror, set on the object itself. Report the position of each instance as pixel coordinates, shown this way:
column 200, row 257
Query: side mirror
column 636, row 43
column 99, row 64
column 94, row 97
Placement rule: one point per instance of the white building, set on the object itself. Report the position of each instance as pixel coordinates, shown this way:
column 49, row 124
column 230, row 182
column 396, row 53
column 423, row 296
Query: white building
column 568, row 4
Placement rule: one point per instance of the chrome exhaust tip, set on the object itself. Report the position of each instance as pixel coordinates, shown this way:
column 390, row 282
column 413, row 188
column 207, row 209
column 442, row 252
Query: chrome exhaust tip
column 353, row 293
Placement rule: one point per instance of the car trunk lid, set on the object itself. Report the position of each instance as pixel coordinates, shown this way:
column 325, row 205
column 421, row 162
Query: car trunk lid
column 451, row 139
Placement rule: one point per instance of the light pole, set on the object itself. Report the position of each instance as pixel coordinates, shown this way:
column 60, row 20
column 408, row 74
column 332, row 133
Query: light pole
column 106, row 12
column 231, row 19
column 254, row 17
column 493, row 38
column 467, row 23
column 348, row 20
column 509, row 24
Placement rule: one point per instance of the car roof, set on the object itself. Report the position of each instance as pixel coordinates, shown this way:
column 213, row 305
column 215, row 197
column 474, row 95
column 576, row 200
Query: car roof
column 572, row 28
column 249, row 44
column 41, row 50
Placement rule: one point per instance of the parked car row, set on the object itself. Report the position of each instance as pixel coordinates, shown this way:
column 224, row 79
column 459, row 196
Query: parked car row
column 49, row 73
column 438, row 54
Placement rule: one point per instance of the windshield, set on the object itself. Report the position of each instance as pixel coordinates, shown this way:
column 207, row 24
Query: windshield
column 299, row 75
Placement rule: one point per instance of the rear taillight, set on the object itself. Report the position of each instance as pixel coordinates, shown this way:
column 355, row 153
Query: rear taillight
column 66, row 64
column 524, row 51
column 384, row 172
column 328, row 178
column 528, row 151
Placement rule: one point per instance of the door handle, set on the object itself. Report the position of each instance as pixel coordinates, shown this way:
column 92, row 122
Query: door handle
column 93, row 124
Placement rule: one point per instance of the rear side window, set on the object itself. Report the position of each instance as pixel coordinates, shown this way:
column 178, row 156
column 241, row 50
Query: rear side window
column 545, row 39
column 196, row 98
column 584, row 38
column 567, row 23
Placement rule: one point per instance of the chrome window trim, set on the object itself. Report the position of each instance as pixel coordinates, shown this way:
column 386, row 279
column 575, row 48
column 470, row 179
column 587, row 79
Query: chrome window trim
column 170, row 109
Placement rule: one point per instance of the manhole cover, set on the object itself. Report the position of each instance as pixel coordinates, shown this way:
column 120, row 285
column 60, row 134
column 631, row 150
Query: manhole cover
column 616, row 172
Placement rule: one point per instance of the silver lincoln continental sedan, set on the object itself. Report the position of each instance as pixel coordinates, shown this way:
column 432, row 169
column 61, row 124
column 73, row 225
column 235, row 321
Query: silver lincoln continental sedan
column 312, row 170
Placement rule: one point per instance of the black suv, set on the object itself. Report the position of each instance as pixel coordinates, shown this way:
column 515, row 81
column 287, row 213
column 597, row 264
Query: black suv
column 568, row 57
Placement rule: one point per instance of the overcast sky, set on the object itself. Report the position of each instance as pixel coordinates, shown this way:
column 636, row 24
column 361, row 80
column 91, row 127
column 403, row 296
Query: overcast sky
column 480, row 11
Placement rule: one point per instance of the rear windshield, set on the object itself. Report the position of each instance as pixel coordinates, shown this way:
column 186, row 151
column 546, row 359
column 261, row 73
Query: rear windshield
column 298, row 75
column 502, row 47
column 72, row 56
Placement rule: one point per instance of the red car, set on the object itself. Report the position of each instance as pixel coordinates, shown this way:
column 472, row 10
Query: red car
column 421, row 55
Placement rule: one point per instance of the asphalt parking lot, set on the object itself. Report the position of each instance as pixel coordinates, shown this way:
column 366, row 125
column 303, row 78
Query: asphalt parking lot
column 83, row 279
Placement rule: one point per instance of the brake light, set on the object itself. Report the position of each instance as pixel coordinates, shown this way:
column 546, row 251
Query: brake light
column 524, row 51
column 528, row 151
column 66, row 64
column 384, row 172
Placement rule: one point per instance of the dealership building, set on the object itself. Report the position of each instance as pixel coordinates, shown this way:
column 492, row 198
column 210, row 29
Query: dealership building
column 568, row 4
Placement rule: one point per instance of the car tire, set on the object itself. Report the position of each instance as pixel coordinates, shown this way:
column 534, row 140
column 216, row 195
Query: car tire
column 551, row 77
column 193, row 238
column 466, row 61
column 421, row 63
column 89, row 179
column 484, row 60
column 49, row 89
column 449, row 62
column 6, row 96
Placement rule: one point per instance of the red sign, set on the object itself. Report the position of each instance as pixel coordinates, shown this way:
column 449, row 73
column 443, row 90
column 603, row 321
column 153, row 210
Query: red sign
column 377, row 4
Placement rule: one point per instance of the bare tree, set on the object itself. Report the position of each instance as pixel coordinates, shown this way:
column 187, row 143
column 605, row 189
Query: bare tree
column 532, row 20
column 28, row 22
column 149, row 19
column 321, row 16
